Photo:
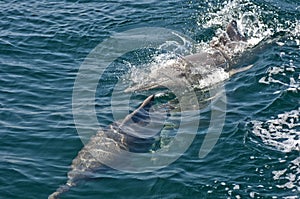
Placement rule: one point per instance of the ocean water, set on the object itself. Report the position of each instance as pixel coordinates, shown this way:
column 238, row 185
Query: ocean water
column 43, row 44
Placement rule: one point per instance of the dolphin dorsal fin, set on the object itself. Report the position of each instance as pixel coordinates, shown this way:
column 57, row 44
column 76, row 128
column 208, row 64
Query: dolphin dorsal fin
column 234, row 33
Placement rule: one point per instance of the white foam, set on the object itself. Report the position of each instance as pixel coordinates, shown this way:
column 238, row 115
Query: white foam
column 152, row 70
column 213, row 78
column 236, row 187
column 289, row 177
column 282, row 132
column 248, row 21
column 278, row 74
column 252, row 194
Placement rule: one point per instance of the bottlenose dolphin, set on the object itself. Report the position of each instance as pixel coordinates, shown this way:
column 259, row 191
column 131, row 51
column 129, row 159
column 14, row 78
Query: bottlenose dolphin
column 201, row 70
column 106, row 145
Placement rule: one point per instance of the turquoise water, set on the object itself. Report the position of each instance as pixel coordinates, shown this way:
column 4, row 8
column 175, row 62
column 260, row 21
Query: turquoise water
column 42, row 46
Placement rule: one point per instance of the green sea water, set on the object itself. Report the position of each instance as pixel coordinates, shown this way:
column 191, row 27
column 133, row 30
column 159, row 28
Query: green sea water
column 44, row 43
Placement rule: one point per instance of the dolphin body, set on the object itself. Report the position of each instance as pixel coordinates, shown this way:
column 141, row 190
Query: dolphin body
column 107, row 145
column 201, row 70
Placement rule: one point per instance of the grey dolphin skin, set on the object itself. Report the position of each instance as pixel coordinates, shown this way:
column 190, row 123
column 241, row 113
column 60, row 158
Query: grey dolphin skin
column 105, row 147
column 107, row 144
column 201, row 70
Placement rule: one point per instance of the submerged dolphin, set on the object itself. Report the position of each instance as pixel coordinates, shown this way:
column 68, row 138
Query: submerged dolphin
column 201, row 70
column 106, row 146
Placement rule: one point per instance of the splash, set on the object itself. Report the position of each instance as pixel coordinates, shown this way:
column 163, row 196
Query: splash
column 251, row 19
column 287, row 76
column 247, row 15
column 149, row 73
column 291, row 176
column 282, row 133
column 168, row 53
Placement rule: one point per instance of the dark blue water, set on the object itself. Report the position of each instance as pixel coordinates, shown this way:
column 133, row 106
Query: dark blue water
column 44, row 43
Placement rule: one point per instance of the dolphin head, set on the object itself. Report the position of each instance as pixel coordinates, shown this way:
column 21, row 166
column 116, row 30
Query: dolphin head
column 197, row 69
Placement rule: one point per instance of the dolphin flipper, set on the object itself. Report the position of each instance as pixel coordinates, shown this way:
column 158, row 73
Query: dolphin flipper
column 135, row 112
column 238, row 70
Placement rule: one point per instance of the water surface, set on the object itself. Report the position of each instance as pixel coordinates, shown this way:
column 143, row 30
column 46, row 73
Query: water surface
column 43, row 44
